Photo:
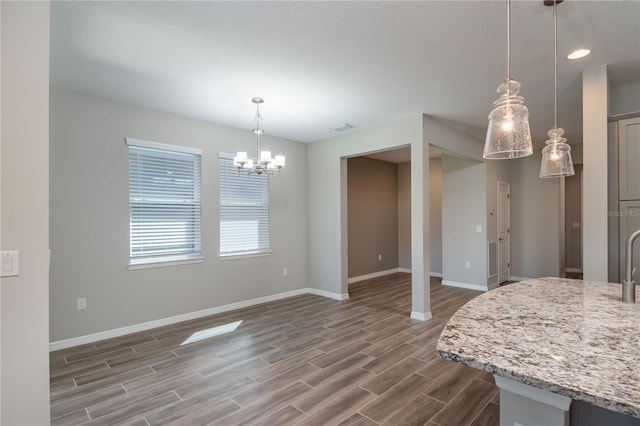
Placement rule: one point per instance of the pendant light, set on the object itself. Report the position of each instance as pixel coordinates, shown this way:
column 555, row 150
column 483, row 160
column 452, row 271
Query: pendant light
column 265, row 164
column 508, row 135
column 556, row 155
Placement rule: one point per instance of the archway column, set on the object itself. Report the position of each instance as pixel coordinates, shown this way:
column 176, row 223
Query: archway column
column 420, row 259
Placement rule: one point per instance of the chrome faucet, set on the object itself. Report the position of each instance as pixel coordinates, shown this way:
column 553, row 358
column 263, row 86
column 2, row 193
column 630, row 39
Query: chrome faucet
column 628, row 285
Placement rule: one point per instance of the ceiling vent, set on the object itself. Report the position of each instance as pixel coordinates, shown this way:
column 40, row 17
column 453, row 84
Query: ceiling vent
column 343, row 127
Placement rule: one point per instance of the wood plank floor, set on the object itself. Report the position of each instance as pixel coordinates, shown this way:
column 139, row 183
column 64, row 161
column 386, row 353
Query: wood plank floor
column 306, row 360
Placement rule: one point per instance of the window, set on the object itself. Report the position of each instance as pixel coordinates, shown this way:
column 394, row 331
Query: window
column 244, row 211
column 164, row 202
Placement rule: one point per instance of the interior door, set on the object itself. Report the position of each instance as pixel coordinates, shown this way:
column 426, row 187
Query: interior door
column 504, row 240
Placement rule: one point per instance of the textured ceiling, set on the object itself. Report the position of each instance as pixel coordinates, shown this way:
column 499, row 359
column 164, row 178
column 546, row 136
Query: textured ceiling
column 321, row 64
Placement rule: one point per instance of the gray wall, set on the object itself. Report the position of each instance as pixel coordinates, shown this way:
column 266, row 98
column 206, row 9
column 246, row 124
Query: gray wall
column 624, row 99
column 435, row 215
column 573, row 214
column 535, row 220
column 464, row 201
column 24, row 136
column 404, row 215
column 372, row 188
column 90, row 220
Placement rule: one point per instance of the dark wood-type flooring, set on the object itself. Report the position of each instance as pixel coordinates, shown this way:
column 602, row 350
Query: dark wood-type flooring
column 305, row 360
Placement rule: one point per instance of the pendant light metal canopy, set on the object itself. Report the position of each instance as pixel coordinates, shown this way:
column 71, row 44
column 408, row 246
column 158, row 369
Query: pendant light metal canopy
column 508, row 134
column 556, row 155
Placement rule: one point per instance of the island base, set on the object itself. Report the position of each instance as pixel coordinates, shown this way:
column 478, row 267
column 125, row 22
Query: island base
column 526, row 405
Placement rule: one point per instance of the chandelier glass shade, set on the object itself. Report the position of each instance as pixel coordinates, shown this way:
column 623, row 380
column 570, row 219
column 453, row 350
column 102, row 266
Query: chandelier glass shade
column 556, row 155
column 265, row 163
column 508, row 134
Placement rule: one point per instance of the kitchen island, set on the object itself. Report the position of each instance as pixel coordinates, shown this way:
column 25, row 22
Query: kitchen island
column 551, row 341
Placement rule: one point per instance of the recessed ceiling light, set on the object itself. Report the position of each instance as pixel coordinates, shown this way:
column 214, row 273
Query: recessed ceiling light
column 577, row 54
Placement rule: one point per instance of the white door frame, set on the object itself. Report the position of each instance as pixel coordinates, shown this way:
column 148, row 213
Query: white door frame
column 504, row 233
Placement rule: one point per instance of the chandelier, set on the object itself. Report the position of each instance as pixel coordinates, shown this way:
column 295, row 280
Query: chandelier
column 556, row 155
column 508, row 134
column 265, row 164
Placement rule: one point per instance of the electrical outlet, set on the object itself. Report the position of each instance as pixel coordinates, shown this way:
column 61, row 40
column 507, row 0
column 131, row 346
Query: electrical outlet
column 10, row 263
column 467, row 265
column 81, row 304
column 285, row 272
column 479, row 228
column 379, row 257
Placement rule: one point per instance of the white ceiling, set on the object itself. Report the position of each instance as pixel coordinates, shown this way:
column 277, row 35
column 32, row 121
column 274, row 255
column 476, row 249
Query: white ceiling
column 321, row 64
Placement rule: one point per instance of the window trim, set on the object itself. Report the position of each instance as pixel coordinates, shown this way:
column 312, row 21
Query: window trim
column 160, row 261
column 166, row 260
column 247, row 254
column 164, row 146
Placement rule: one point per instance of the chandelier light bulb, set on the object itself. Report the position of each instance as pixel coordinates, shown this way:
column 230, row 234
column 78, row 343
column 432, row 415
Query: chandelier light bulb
column 507, row 126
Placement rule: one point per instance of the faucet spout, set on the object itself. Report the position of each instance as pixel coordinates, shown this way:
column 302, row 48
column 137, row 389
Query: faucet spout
column 628, row 285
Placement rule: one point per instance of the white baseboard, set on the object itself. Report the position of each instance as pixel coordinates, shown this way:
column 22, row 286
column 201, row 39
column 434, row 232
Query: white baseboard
column 107, row 334
column 578, row 270
column 512, row 278
column 465, row 285
column 374, row 275
column 330, row 295
column 420, row 316
column 387, row 272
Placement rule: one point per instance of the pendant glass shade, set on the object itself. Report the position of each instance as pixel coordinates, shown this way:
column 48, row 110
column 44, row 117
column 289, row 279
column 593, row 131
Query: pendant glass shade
column 556, row 156
column 508, row 135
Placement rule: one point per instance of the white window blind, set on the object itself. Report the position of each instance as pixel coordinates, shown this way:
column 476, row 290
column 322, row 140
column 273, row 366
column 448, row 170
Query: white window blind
column 164, row 198
column 244, row 211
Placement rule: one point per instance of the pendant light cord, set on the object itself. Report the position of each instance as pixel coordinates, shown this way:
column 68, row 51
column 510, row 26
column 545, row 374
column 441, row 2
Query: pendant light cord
column 555, row 63
column 258, row 128
column 508, row 40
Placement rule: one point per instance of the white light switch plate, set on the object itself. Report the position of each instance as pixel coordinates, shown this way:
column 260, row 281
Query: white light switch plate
column 9, row 263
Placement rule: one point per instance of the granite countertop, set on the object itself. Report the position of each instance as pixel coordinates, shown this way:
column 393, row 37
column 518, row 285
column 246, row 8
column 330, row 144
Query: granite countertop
column 575, row 338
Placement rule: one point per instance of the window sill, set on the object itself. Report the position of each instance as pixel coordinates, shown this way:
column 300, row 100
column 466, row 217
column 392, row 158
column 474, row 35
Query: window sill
column 244, row 255
column 161, row 262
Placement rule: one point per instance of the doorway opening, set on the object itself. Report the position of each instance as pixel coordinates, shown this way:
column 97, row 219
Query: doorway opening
column 573, row 224
column 503, row 252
